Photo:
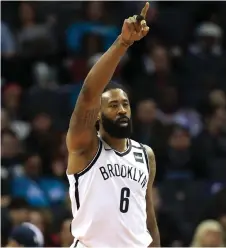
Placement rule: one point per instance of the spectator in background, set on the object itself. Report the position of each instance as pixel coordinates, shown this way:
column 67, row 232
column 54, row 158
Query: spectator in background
column 54, row 103
column 35, row 40
column 11, row 161
column 214, row 99
column 210, row 142
column 26, row 235
column 21, row 128
column 171, row 233
column 42, row 218
column 16, row 213
column 93, row 23
column 8, row 44
column 216, row 209
column 42, row 138
column 209, row 233
column 178, row 160
column 62, row 148
column 66, row 239
column 11, row 152
column 91, row 46
column 147, row 128
column 171, row 111
column 38, row 190
column 11, row 100
column 59, row 167
column 155, row 73
column 5, row 187
column 37, row 219
column 190, row 118
column 204, row 63
column 217, row 98
column 158, row 64
column 208, row 39
column 168, row 105
column 44, row 77
column 60, row 213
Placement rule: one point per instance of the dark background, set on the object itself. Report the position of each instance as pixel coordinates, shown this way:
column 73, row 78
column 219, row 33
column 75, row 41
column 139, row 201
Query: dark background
column 176, row 77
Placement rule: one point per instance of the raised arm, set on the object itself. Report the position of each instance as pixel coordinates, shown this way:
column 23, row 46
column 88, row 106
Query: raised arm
column 81, row 132
column 151, row 218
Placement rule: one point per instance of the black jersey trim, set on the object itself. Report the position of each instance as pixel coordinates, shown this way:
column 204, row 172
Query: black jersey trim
column 146, row 157
column 76, row 243
column 76, row 192
column 121, row 154
column 90, row 165
column 137, row 147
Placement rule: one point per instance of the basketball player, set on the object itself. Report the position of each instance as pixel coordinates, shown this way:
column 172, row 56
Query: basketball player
column 26, row 235
column 110, row 175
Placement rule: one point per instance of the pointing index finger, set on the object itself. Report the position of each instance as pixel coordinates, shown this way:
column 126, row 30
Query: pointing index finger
column 145, row 10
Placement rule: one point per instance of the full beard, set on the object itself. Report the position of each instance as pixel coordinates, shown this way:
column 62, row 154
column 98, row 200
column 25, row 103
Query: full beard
column 114, row 129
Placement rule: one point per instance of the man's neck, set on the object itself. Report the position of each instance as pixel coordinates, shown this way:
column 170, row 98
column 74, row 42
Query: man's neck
column 119, row 145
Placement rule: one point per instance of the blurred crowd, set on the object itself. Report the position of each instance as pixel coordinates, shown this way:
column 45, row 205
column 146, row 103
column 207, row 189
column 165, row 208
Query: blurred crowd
column 176, row 78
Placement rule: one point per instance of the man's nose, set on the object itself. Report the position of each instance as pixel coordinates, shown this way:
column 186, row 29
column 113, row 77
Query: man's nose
column 122, row 110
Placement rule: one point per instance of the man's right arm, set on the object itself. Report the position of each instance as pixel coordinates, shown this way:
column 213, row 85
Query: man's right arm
column 82, row 133
column 82, row 124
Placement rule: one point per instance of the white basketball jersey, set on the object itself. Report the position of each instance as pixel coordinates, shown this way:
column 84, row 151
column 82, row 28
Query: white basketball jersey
column 108, row 198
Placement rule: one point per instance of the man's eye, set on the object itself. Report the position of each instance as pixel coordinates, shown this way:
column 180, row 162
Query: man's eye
column 114, row 106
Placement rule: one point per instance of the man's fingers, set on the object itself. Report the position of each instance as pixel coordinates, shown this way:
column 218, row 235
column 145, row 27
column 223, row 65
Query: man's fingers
column 145, row 31
column 137, row 24
column 131, row 24
column 145, row 10
column 139, row 29
column 143, row 24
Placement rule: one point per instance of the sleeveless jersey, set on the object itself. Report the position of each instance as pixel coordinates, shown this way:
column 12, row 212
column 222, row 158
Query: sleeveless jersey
column 108, row 198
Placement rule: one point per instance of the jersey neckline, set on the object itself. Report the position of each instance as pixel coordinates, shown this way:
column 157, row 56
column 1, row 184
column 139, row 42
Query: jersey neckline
column 129, row 147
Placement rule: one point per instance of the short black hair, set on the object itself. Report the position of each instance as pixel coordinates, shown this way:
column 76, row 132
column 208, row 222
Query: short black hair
column 18, row 203
column 8, row 131
column 113, row 85
column 29, row 154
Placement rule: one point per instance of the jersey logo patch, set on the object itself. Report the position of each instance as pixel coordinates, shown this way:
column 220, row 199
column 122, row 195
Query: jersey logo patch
column 138, row 157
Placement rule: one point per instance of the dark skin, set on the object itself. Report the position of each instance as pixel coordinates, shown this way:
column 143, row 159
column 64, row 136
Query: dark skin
column 151, row 219
column 13, row 243
column 82, row 141
column 113, row 104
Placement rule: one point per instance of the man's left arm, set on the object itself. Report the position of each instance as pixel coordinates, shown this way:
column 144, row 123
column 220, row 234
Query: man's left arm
column 151, row 218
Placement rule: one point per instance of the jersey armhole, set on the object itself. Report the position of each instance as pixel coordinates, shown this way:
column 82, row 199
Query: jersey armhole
column 93, row 161
column 146, row 156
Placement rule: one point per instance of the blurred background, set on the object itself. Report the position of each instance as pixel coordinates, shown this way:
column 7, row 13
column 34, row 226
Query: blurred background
column 176, row 77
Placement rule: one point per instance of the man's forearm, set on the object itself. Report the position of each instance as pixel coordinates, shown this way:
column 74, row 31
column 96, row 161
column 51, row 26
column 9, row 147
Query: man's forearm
column 87, row 107
column 151, row 217
column 155, row 236
column 102, row 72
column 153, row 229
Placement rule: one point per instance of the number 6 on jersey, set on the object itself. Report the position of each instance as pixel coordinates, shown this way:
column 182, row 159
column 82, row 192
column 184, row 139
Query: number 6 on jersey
column 124, row 200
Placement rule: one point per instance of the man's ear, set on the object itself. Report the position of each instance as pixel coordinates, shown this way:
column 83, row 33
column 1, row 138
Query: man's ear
column 98, row 122
column 98, row 116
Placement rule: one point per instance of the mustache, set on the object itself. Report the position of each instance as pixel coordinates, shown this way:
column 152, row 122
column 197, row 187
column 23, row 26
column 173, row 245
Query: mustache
column 122, row 118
